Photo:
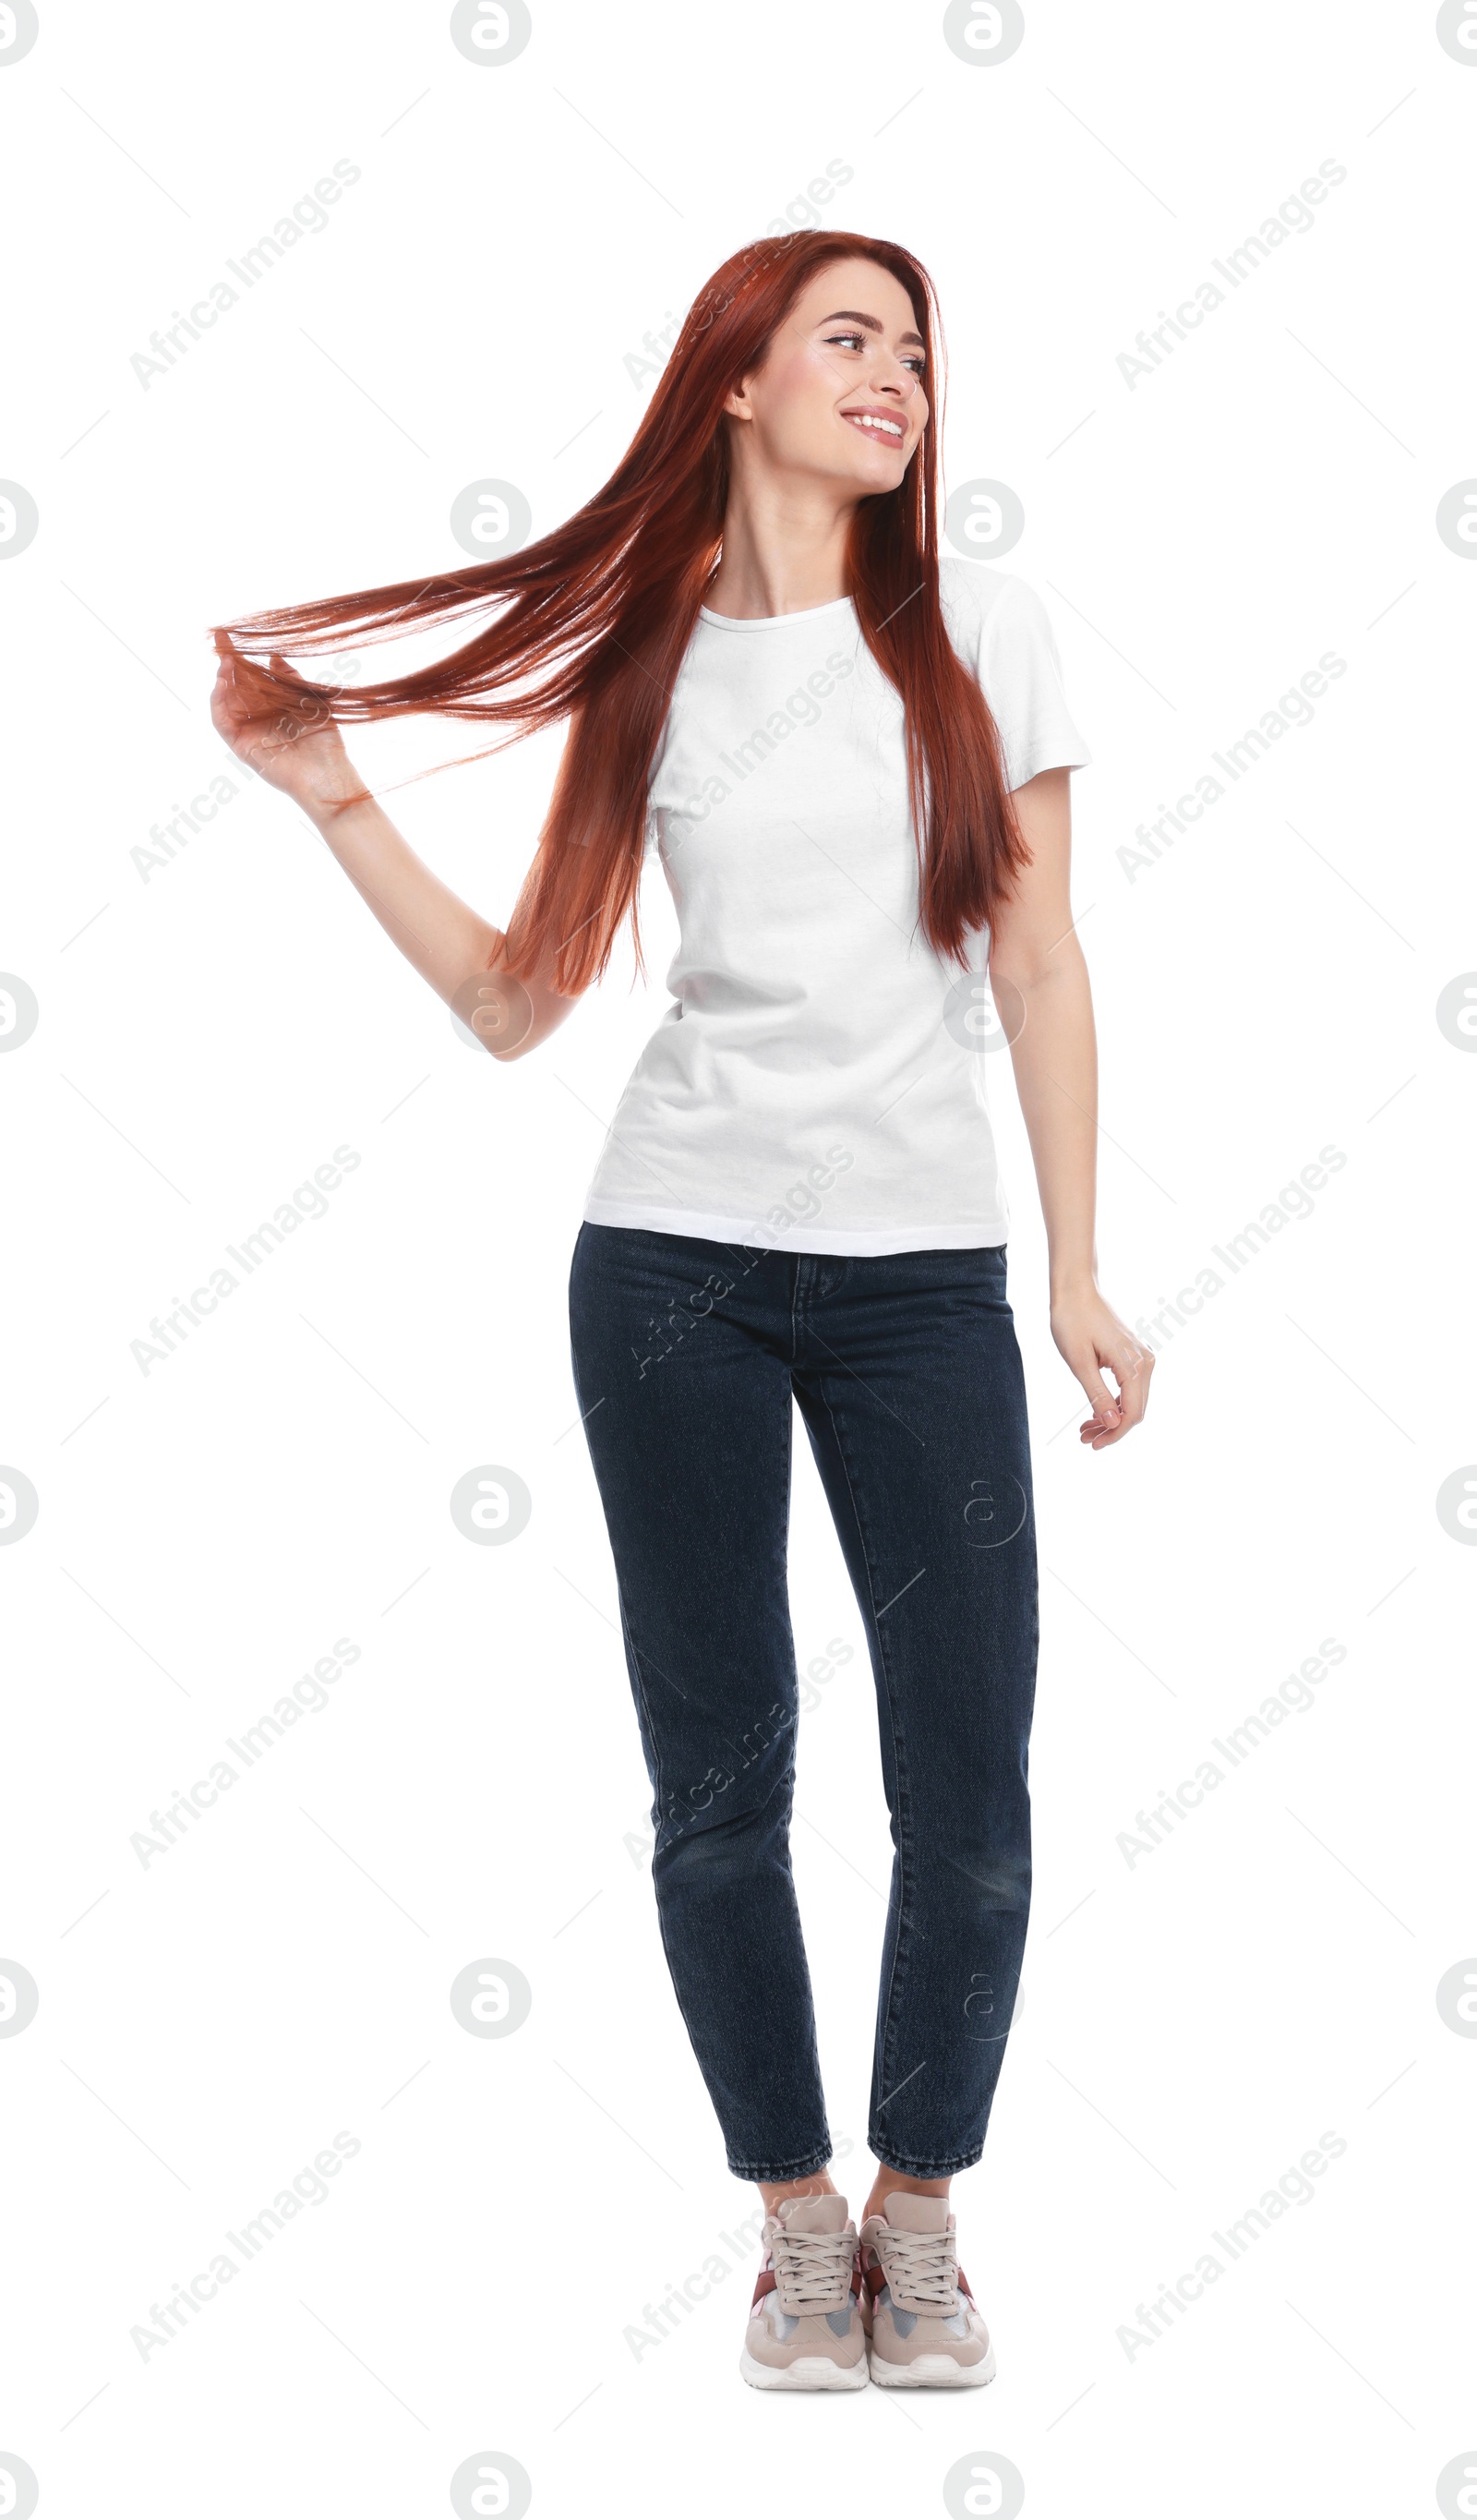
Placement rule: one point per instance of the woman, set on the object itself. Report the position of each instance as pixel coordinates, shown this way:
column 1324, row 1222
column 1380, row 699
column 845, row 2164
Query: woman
column 853, row 764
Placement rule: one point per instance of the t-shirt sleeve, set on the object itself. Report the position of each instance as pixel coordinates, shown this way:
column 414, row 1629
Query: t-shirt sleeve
column 1020, row 674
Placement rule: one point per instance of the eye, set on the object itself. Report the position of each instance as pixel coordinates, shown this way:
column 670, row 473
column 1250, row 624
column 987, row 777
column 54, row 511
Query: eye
column 855, row 340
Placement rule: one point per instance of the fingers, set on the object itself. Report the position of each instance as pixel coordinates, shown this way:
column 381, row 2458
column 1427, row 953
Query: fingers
column 237, row 669
column 1100, row 1399
column 235, row 697
column 1131, row 1365
column 1134, row 1384
column 250, row 698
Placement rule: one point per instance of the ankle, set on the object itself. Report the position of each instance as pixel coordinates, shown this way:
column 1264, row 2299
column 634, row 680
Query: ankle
column 894, row 2183
column 773, row 2191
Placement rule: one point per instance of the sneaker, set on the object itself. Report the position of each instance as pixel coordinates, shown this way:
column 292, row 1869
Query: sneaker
column 805, row 2328
column 924, row 2329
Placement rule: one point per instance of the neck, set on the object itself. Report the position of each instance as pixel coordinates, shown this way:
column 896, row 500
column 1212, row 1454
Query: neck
column 785, row 544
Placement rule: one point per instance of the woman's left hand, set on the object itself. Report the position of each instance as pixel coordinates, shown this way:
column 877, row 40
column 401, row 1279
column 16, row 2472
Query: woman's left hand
column 1090, row 1336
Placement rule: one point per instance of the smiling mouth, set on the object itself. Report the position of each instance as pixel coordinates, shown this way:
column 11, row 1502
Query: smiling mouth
column 873, row 424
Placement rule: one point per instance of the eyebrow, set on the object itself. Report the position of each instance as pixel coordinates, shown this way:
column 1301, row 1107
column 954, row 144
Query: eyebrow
column 868, row 324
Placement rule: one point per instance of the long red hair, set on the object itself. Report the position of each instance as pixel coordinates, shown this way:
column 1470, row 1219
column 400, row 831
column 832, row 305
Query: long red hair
column 590, row 622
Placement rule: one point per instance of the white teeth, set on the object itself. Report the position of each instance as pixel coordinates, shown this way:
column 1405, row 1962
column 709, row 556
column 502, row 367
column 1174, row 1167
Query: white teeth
column 886, row 428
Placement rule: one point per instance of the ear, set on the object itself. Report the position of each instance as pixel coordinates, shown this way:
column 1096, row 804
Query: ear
column 737, row 404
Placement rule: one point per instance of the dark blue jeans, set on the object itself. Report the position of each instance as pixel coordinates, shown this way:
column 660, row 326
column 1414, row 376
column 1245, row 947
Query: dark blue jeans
column 688, row 1355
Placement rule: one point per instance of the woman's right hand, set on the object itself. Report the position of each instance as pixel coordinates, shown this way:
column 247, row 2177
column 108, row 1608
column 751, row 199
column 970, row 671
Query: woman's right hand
column 298, row 749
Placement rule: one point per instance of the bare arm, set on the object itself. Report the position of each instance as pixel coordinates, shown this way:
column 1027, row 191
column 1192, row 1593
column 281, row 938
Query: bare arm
column 461, row 953
column 1039, row 983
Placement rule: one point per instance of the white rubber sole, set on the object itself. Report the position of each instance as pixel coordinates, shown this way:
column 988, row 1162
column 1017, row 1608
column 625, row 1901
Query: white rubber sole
column 933, row 2372
column 811, row 2372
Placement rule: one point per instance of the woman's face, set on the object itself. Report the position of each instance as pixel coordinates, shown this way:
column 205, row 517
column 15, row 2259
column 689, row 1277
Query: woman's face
column 840, row 398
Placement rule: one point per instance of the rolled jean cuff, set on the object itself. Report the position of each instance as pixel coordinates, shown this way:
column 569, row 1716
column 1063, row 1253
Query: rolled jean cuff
column 926, row 2169
column 774, row 2173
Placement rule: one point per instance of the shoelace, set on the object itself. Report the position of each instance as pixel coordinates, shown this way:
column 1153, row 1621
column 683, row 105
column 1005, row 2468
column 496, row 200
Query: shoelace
column 812, row 2270
column 922, row 2268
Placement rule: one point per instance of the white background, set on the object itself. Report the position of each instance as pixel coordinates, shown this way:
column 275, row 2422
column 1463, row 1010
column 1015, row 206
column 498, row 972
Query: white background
column 1195, row 2020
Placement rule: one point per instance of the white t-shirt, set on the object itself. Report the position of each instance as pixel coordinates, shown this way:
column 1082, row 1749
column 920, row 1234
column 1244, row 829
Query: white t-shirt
column 818, row 1083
